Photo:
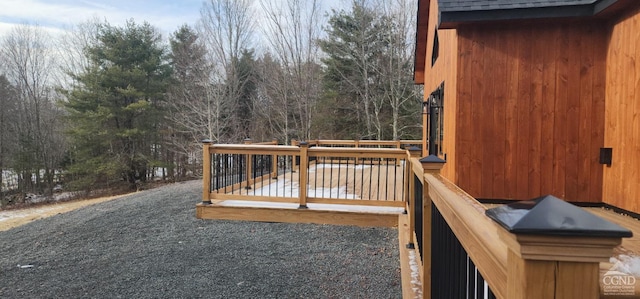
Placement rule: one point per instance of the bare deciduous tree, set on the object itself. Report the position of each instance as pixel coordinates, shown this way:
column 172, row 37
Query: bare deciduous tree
column 395, row 70
column 226, row 27
column 292, row 29
column 8, row 137
column 28, row 58
column 187, row 101
column 71, row 51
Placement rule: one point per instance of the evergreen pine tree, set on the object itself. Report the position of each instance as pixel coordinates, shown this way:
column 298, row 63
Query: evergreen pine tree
column 115, row 108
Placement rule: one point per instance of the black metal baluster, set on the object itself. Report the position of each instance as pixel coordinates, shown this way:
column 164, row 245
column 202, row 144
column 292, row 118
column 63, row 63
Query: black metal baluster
column 378, row 185
column 315, row 178
column 479, row 285
column 417, row 212
column 338, row 184
column 395, row 179
column 264, row 161
column 362, row 180
column 386, row 180
column 370, row 177
column 346, row 180
column 404, row 178
column 324, row 170
column 227, row 168
column 355, row 178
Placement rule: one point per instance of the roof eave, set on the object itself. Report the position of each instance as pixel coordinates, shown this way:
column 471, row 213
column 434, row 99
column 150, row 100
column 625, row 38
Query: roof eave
column 421, row 43
column 452, row 19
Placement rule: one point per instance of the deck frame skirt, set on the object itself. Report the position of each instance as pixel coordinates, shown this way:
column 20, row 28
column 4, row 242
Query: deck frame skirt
column 217, row 210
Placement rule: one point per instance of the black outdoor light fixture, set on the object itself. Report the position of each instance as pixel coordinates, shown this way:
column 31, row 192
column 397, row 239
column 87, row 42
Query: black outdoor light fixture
column 606, row 154
column 433, row 107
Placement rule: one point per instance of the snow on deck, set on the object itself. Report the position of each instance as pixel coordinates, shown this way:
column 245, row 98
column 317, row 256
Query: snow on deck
column 416, row 283
column 626, row 263
column 287, row 188
column 312, row 206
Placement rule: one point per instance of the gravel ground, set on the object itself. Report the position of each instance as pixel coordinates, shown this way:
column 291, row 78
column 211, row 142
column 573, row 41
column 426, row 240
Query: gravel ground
column 150, row 245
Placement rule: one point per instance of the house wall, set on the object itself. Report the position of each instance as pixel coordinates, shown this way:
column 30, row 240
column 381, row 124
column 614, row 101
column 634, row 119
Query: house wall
column 530, row 110
column 621, row 184
column 444, row 70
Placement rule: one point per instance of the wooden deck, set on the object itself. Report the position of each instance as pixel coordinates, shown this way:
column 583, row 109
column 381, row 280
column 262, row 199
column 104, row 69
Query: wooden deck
column 629, row 245
column 336, row 181
column 626, row 257
column 342, row 194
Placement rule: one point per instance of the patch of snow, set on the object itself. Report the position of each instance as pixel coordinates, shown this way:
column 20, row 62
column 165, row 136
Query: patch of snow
column 628, row 264
column 258, row 204
column 339, row 192
column 61, row 196
column 416, row 284
column 286, row 188
column 336, row 166
column 355, row 208
column 362, row 166
column 281, row 188
column 13, row 214
column 10, row 178
column 312, row 169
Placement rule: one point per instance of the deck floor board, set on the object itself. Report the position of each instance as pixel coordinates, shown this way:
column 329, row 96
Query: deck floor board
column 626, row 257
column 338, row 181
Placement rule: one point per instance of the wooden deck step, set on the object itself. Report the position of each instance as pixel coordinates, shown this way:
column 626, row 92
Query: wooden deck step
column 317, row 213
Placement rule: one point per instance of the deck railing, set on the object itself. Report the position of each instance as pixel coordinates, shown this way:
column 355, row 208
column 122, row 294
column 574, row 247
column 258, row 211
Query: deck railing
column 328, row 175
column 465, row 254
column 461, row 252
column 400, row 144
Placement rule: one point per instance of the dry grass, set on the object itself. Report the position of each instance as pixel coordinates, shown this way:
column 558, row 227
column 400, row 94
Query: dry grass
column 16, row 217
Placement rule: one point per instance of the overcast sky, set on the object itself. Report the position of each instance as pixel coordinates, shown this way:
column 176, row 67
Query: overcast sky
column 55, row 15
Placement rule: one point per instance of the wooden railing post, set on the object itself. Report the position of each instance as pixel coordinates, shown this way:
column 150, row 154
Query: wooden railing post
column 398, row 145
column 206, row 171
column 430, row 164
column 356, row 144
column 304, row 163
column 274, row 162
column 249, row 167
column 414, row 151
column 555, row 248
column 293, row 159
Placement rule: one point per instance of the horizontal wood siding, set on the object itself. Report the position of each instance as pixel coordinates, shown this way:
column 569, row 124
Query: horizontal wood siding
column 530, row 111
column 444, row 70
column 622, row 130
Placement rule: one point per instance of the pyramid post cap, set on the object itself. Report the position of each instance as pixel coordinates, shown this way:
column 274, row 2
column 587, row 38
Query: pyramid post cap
column 550, row 216
column 432, row 159
column 432, row 163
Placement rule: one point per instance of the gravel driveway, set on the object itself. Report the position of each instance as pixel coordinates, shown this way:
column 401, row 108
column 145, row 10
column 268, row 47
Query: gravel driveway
column 150, row 245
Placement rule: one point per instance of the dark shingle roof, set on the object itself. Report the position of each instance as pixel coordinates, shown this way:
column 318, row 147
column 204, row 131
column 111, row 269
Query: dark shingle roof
column 462, row 11
column 474, row 5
